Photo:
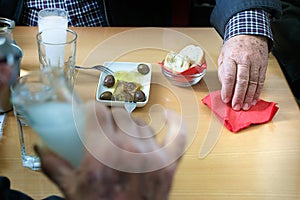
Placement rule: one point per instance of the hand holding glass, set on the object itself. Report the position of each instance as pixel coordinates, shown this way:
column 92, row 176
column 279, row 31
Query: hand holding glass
column 50, row 106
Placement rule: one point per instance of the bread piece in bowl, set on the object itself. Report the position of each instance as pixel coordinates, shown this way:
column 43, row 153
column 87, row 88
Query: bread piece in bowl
column 189, row 57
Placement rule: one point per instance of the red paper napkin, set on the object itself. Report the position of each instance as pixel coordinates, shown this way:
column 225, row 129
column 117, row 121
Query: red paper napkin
column 235, row 121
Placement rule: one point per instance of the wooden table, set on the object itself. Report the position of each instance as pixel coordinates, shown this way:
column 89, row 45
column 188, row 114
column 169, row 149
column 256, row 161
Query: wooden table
column 261, row 162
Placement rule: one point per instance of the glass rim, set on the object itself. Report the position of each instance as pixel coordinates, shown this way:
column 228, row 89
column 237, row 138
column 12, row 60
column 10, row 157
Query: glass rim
column 38, row 74
column 52, row 9
column 40, row 41
column 9, row 23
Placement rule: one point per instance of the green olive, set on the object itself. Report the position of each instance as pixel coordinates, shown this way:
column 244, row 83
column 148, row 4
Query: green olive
column 107, row 95
column 139, row 96
column 109, row 81
column 143, row 69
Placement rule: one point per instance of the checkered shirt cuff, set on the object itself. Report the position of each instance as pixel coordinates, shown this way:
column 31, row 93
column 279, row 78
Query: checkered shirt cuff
column 249, row 22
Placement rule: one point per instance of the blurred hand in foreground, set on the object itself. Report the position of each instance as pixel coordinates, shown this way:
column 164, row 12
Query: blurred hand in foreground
column 5, row 74
column 123, row 159
column 242, row 69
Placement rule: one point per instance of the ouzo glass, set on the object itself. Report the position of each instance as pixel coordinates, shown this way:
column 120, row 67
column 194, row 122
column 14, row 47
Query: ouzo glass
column 46, row 102
column 58, row 51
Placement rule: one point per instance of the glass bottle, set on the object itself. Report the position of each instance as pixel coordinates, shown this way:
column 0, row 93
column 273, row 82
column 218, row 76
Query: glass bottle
column 6, row 28
column 10, row 59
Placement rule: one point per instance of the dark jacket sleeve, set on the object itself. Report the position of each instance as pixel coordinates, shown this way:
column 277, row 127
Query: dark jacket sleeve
column 11, row 9
column 225, row 9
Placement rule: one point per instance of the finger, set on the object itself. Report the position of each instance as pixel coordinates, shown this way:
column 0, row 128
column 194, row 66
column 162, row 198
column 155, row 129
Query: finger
column 220, row 58
column 220, row 72
column 127, row 130
column 99, row 123
column 261, row 80
column 98, row 117
column 252, row 87
column 135, row 135
column 241, row 86
column 220, row 64
column 175, row 139
column 249, row 95
column 100, row 135
column 170, row 150
column 124, row 123
column 228, row 74
column 147, row 136
column 53, row 165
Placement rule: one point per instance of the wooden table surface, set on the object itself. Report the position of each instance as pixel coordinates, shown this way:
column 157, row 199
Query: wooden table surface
column 260, row 162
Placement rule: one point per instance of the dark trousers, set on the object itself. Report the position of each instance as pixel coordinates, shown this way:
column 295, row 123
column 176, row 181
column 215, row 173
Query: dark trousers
column 6, row 193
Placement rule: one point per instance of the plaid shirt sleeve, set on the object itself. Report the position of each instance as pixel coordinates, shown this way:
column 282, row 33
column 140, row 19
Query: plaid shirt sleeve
column 80, row 12
column 249, row 22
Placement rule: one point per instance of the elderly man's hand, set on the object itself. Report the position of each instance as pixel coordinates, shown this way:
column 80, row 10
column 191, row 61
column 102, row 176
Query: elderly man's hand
column 242, row 68
column 123, row 159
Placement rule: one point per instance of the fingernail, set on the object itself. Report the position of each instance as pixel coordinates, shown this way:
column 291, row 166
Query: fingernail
column 226, row 100
column 246, row 106
column 237, row 107
column 254, row 102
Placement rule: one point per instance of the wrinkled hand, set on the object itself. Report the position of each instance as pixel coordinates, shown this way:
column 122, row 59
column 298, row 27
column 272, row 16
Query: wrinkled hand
column 242, row 68
column 123, row 159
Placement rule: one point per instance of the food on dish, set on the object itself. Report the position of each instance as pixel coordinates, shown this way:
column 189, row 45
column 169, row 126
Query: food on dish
column 189, row 57
column 107, row 95
column 129, row 73
column 139, row 96
column 123, row 90
column 109, row 81
column 143, row 69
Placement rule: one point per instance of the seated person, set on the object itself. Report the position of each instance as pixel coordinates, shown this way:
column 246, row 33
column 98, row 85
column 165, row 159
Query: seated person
column 243, row 60
column 286, row 32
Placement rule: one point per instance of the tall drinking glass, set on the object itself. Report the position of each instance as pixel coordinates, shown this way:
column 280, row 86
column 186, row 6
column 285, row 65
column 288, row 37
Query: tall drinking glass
column 56, row 44
column 46, row 102
column 52, row 18
column 59, row 52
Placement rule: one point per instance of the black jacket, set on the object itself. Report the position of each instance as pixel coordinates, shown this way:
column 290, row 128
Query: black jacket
column 286, row 32
column 225, row 9
column 11, row 9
